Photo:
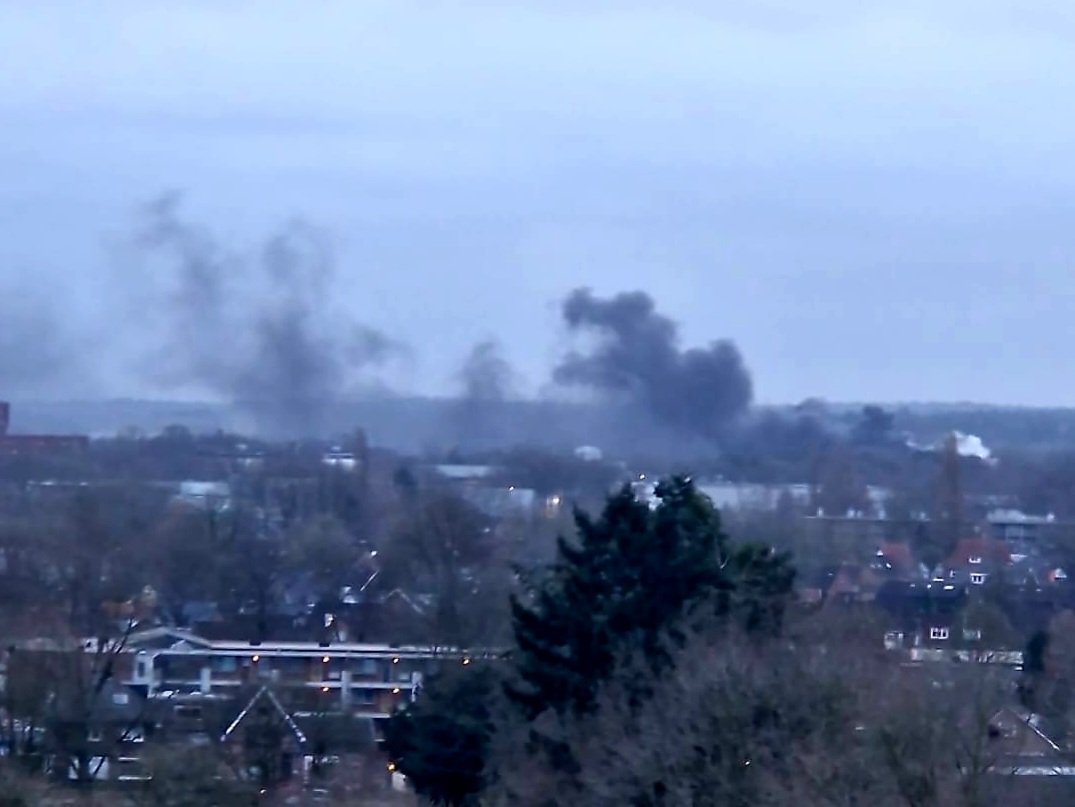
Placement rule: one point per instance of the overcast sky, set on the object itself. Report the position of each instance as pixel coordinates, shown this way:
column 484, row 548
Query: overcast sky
column 875, row 200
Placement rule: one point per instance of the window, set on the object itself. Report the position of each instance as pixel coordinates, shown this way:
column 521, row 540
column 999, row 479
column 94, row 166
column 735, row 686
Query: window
column 367, row 666
column 977, row 578
column 975, row 560
column 972, row 634
column 121, row 698
column 94, row 735
column 226, row 664
column 938, row 633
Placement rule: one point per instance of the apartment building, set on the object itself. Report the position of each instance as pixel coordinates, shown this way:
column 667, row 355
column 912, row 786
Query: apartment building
column 364, row 680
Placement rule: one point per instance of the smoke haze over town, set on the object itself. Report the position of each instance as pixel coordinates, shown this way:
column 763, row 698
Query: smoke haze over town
column 478, row 403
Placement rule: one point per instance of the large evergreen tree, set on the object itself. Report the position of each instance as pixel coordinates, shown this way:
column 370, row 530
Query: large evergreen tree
column 440, row 742
column 623, row 586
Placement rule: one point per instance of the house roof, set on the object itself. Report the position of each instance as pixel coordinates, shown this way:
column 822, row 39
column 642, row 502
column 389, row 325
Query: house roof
column 853, row 579
column 163, row 637
column 898, row 555
column 991, row 551
column 1021, row 734
column 267, row 694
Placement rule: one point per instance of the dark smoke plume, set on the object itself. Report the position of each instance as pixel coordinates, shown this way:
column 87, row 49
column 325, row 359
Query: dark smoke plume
column 486, row 378
column 696, row 391
column 486, row 374
column 260, row 331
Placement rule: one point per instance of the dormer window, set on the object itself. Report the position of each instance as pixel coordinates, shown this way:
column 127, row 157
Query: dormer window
column 975, row 560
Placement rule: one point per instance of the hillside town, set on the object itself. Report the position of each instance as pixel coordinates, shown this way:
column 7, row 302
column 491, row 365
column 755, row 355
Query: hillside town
column 537, row 404
column 257, row 613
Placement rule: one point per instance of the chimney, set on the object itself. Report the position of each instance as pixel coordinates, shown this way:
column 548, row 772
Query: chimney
column 5, row 417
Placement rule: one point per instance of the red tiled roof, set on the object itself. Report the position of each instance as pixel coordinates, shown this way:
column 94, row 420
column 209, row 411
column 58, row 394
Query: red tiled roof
column 992, row 552
column 853, row 579
column 898, row 555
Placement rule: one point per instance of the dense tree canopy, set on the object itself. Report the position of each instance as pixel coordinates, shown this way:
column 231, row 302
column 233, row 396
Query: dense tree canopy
column 441, row 741
column 620, row 592
column 630, row 576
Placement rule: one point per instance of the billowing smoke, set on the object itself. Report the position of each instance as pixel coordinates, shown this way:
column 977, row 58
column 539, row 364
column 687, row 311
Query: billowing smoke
column 258, row 330
column 637, row 355
column 486, row 374
column 487, row 379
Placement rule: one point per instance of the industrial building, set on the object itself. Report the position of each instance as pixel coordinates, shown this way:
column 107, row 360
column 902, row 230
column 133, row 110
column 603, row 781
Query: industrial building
column 35, row 444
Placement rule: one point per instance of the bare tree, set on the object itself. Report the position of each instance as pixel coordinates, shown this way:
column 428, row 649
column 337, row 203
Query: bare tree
column 819, row 717
column 445, row 554
column 324, row 549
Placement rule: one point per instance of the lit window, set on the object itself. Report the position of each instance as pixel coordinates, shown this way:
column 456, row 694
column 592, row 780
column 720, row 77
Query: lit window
column 974, row 559
column 938, row 633
column 977, row 578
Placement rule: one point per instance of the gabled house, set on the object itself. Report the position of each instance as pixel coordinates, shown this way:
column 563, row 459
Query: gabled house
column 921, row 614
column 97, row 733
column 1021, row 746
column 894, row 561
column 264, row 741
column 852, row 582
column 975, row 560
column 273, row 746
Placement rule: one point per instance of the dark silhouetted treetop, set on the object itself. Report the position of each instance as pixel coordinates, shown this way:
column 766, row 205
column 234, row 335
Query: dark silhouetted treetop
column 623, row 585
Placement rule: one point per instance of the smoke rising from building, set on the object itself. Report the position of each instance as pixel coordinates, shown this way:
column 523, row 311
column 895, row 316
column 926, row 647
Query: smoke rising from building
column 259, row 330
column 637, row 356
column 486, row 379
column 486, row 374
